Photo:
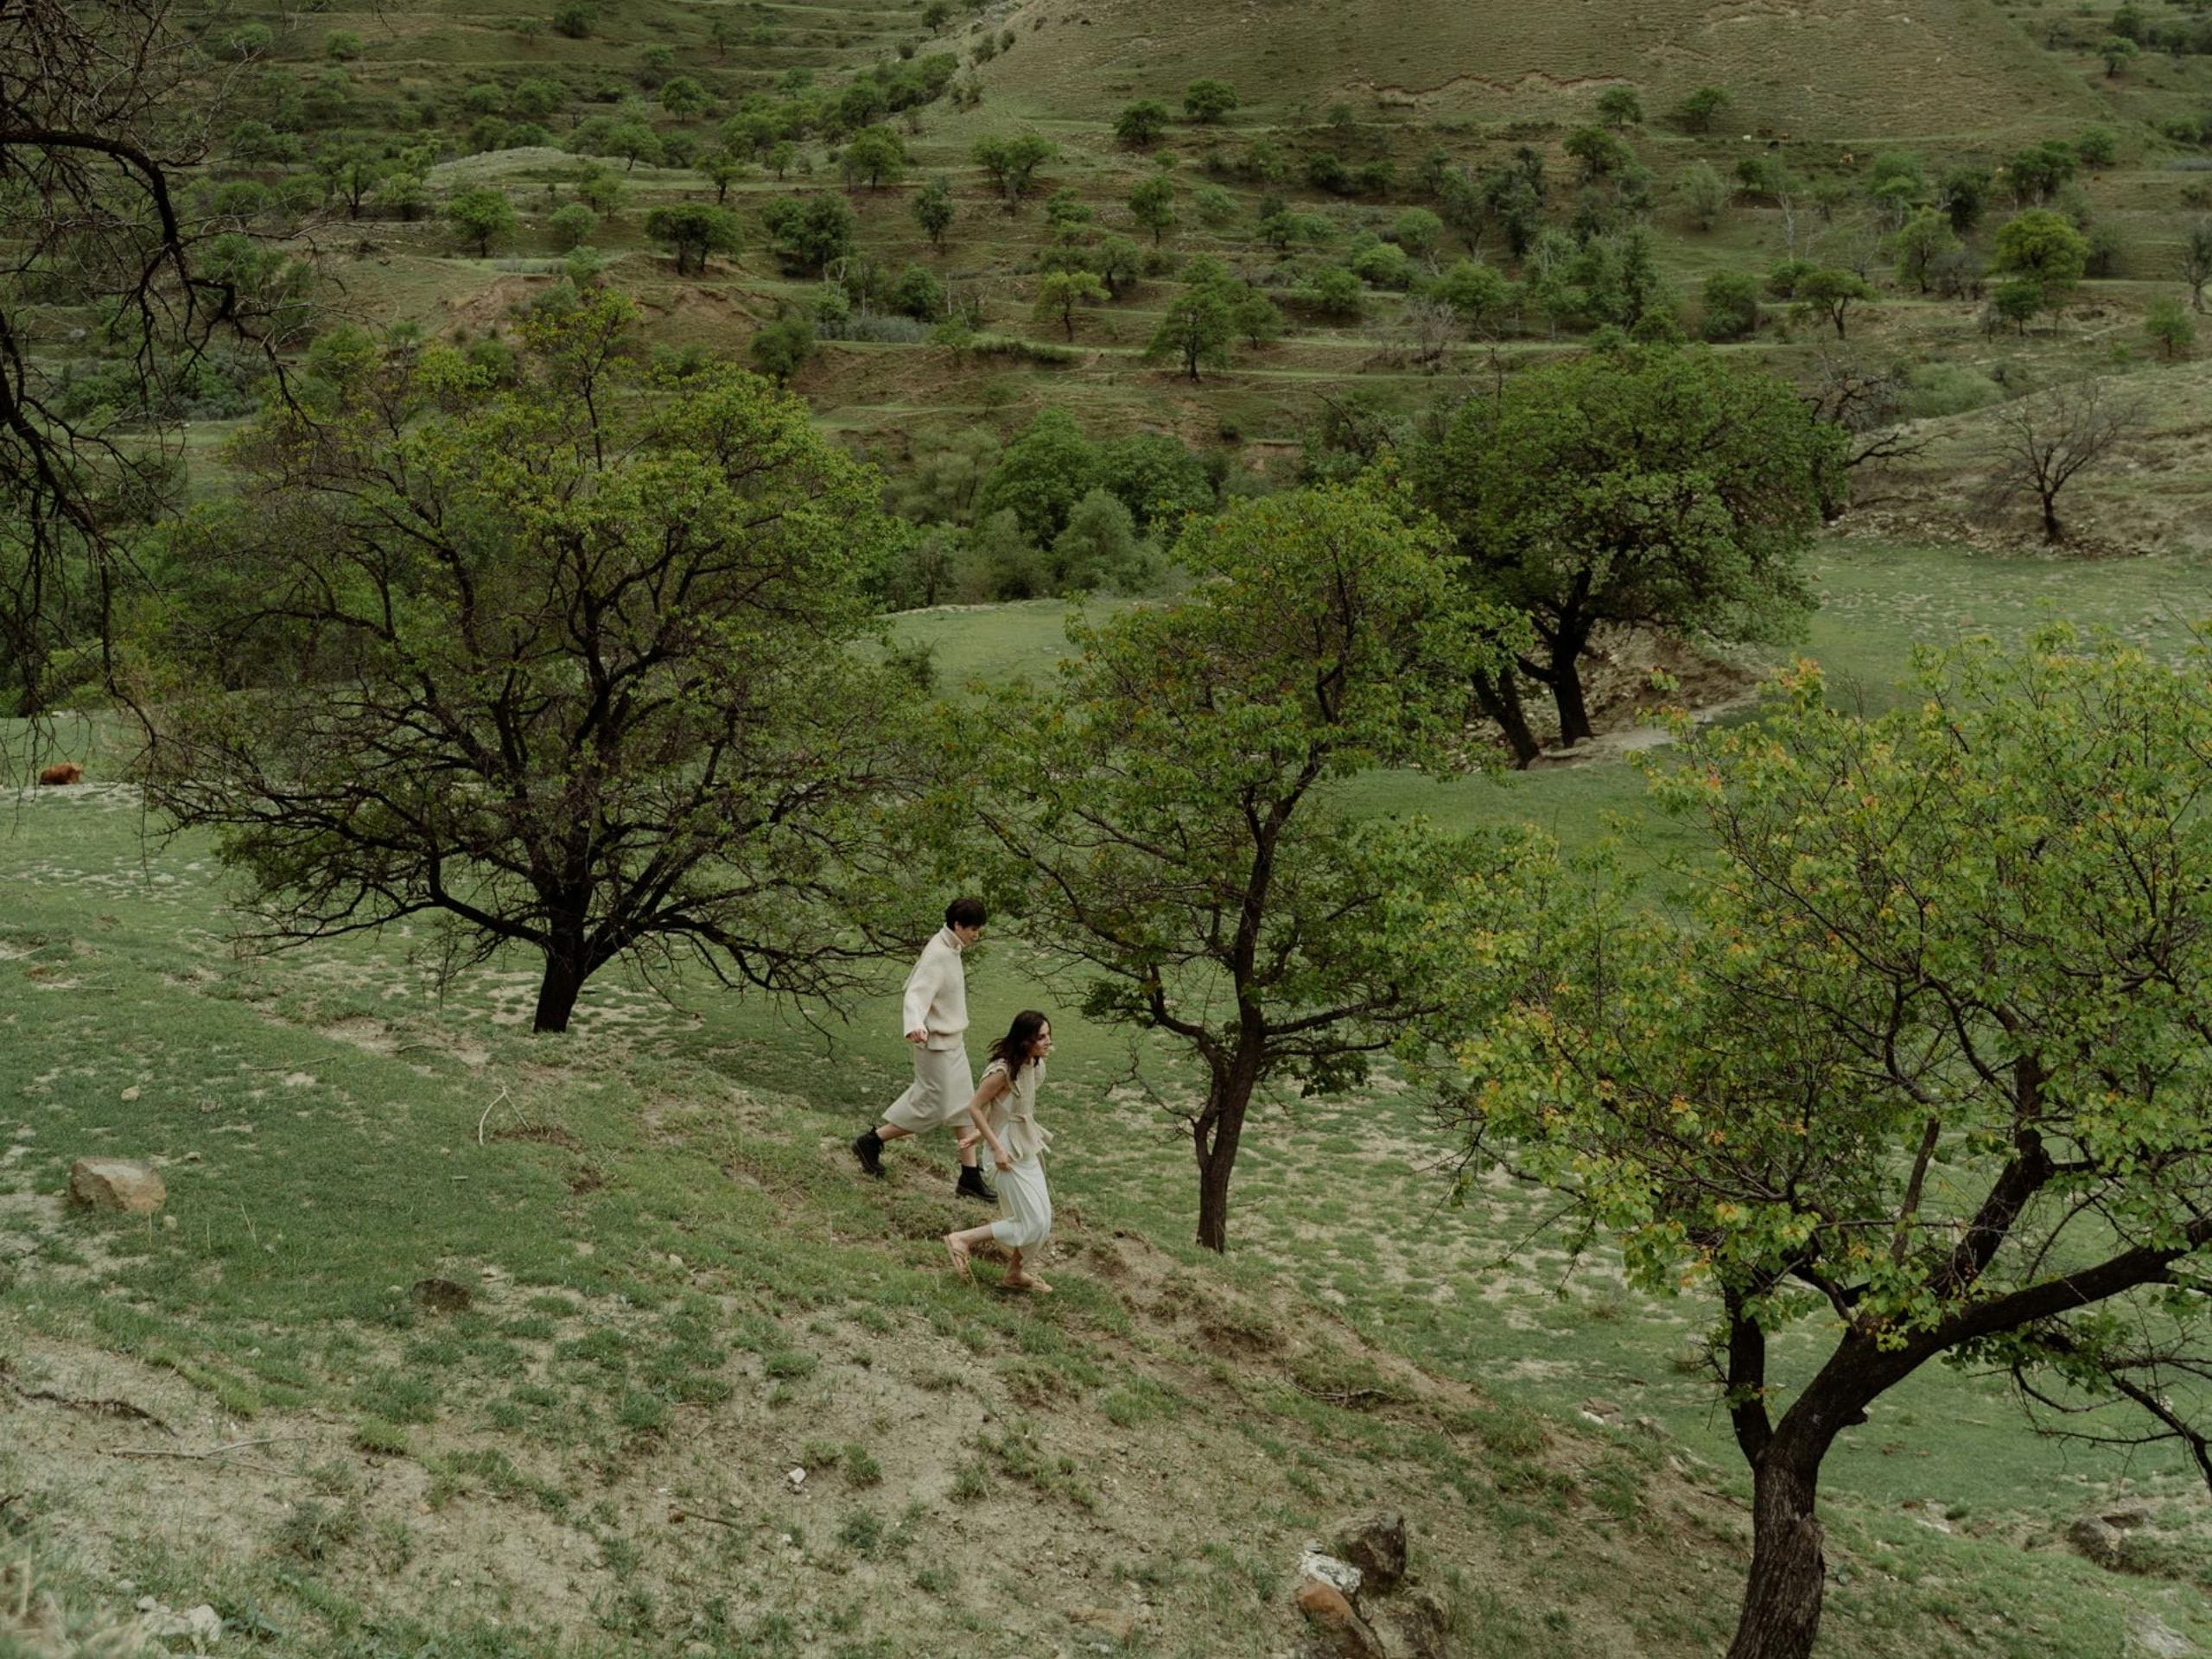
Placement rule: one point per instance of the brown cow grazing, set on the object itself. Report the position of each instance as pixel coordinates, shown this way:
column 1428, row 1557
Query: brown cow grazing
column 67, row 772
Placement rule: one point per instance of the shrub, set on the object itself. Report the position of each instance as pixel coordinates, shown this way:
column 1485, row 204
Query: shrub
column 1730, row 304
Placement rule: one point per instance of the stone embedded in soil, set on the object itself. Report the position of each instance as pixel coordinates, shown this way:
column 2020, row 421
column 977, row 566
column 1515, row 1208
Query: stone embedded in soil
column 442, row 1295
column 121, row 1184
column 2095, row 1539
column 1375, row 1544
column 1339, row 1575
column 1422, row 1626
column 1342, row 1631
column 1122, row 1627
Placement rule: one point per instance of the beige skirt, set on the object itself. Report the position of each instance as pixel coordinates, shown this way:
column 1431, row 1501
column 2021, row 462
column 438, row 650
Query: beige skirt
column 939, row 1095
column 1025, row 1205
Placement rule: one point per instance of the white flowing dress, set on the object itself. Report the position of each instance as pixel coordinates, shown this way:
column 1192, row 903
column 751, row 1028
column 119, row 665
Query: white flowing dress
column 1025, row 1203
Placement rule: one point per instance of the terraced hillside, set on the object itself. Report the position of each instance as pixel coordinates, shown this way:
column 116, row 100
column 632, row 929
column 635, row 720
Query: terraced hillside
column 1827, row 68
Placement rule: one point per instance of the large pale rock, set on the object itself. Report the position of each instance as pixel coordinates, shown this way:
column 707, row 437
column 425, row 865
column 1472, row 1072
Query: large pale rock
column 1375, row 1544
column 1341, row 1631
column 117, row 1184
column 1341, row 1576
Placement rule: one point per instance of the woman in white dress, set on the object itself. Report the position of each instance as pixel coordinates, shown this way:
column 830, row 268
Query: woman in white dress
column 1004, row 1111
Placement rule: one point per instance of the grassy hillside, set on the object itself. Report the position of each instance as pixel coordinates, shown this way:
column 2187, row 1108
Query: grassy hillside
column 680, row 1290
column 1827, row 69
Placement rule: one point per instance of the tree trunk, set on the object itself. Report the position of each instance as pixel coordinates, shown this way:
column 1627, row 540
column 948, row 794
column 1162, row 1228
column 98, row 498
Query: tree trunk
column 1499, row 693
column 1567, row 695
column 2050, row 530
column 557, row 992
column 1219, row 1129
column 1781, row 1601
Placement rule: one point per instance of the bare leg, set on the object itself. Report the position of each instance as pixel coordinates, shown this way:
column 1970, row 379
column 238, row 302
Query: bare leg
column 891, row 1132
column 957, row 1245
column 968, row 1141
column 1016, row 1278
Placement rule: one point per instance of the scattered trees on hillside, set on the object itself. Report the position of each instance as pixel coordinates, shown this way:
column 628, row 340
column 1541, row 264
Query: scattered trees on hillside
column 2039, row 444
column 2044, row 255
column 1831, row 293
column 934, row 210
column 1699, row 110
column 1642, row 485
column 1209, row 101
column 483, row 216
column 692, row 230
column 1061, row 294
column 1918, row 1074
column 1140, row 123
column 1164, row 821
column 1196, row 330
column 556, row 665
column 1011, row 164
column 811, row 233
column 2195, row 260
column 1151, row 204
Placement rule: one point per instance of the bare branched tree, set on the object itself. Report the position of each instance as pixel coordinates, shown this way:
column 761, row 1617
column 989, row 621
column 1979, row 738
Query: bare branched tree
column 104, row 107
column 1865, row 402
column 2040, row 444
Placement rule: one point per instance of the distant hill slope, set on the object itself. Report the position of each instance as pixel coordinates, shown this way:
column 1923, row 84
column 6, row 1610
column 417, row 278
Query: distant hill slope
column 1829, row 68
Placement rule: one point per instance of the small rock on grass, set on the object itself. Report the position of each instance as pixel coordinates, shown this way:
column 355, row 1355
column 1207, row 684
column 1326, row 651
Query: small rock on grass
column 121, row 1184
column 1343, row 1633
column 1375, row 1544
column 442, row 1295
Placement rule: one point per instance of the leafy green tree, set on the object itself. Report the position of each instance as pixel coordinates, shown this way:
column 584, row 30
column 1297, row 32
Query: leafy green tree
column 1335, row 292
column 538, row 97
column 1099, row 547
column 1619, row 107
column 1209, row 101
column 692, row 230
column 2116, row 50
column 1154, row 477
column 1730, row 304
column 780, row 158
column 812, row 232
column 1644, row 486
column 342, row 46
column 1151, row 204
column 1831, row 293
column 1196, row 330
column 1914, row 1075
column 2170, row 327
column 1705, row 194
column 601, row 189
column 560, row 667
column 2195, row 260
column 782, row 348
column 2038, row 171
column 1255, row 318
column 1962, row 193
column 1061, row 294
column 1140, row 125
column 573, row 224
column 683, row 98
column 483, row 216
column 1418, row 231
column 1479, row 292
column 1011, row 164
column 2096, row 147
column 634, row 142
column 2043, row 248
column 933, row 210
column 723, row 170
column 1040, row 476
column 915, row 292
column 874, row 155
column 1601, row 153
column 1118, row 260
column 1166, row 822
column 576, row 20
column 1701, row 109
column 1922, row 244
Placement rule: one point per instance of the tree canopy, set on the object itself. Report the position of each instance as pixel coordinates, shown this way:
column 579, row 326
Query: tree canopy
column 558, row 665
column 1642, row 485
column 1924, row 1071
column 1164, row 819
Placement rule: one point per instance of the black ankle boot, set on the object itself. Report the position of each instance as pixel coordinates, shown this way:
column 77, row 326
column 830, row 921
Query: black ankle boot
column 868, row 1148
column 970, row 1185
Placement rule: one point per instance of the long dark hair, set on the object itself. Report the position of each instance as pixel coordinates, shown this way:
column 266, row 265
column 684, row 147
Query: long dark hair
column 1020, row 1037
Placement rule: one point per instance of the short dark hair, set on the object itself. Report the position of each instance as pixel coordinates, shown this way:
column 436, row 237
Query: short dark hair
column 965, row 912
